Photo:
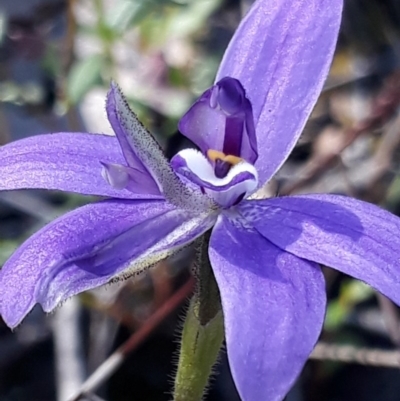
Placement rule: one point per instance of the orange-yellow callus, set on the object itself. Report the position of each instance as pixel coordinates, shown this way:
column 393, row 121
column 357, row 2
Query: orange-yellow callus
column 215, row 155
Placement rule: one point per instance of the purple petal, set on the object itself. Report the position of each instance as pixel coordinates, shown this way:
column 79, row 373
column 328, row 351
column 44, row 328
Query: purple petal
column 64, row 161
column 281, row 54
column 349, row 235
column 204, row 125
column 90, row 246
column 273, row 305
column 222, row 120
column 142, row 152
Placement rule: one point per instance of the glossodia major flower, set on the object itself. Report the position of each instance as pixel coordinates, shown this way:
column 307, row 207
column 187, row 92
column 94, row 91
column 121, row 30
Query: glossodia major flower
column 265, row 254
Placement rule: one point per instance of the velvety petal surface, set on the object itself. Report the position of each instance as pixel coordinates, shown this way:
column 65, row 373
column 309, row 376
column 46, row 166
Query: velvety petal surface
column 355, row 237
column 281, row 54
column 63, row 161
column 90, row 246
column 274, row 306
column 142, row 152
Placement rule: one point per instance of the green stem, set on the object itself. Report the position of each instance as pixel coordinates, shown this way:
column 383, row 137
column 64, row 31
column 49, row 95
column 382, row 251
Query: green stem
column 203, row 331
column 199, row 351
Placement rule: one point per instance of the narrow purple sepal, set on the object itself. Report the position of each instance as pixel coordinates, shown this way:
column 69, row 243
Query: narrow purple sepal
column 142, row 152
column 355, row 237
column 273, row 305
column 119, row 127
column 222, row 119
column 90, row 246
column 64, row 161
column 281, row 54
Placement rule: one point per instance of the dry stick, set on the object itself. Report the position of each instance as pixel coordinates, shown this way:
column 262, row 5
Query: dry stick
column 69, row 360
column 382, row 159
column 69, row 356
column 384, row 106
column 114, row 361
column 351, row 354
column 68, row 58
column 69, row 43
column 245, row 6
column 390, row 316
column 93, row 397
column 31, row 204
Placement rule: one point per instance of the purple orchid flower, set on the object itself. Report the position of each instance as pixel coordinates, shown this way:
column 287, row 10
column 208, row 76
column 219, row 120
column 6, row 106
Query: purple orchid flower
column 265, row 253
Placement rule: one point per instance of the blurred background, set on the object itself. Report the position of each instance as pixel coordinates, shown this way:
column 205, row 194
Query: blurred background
column 56, row 61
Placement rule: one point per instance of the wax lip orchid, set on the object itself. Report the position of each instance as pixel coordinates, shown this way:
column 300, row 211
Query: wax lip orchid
column 264, row 253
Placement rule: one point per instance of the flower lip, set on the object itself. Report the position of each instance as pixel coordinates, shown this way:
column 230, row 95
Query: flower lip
column 221, row 168
column 240, row 181
column 222, row 163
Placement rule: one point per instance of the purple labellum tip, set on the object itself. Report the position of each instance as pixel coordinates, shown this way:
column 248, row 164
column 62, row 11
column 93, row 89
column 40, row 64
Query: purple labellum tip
column 221, row 168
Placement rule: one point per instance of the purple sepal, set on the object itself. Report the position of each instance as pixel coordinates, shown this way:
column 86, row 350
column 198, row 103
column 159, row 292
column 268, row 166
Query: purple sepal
column 63, row 161
column 273, row 305
column 143, row 153
column 118, row 125
column 281, row 54
column 90, row 246
column 222, row 119
column 355, row 237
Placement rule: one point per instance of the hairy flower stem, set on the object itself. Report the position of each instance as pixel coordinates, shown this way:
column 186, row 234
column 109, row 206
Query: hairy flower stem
column 203, row 331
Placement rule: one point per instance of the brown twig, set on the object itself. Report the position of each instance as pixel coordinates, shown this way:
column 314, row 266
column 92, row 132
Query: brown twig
column 383, row 108
column 69, row 355
column 391, row 318
column 114, row 361
column 351, row 354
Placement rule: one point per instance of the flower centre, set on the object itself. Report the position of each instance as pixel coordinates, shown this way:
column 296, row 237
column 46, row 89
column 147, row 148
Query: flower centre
column 222, row 162
column 239, row 180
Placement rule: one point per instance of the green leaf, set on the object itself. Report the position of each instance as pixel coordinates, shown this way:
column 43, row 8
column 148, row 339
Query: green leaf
column 84, row 75
column 124, row 14
column 351, row 293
